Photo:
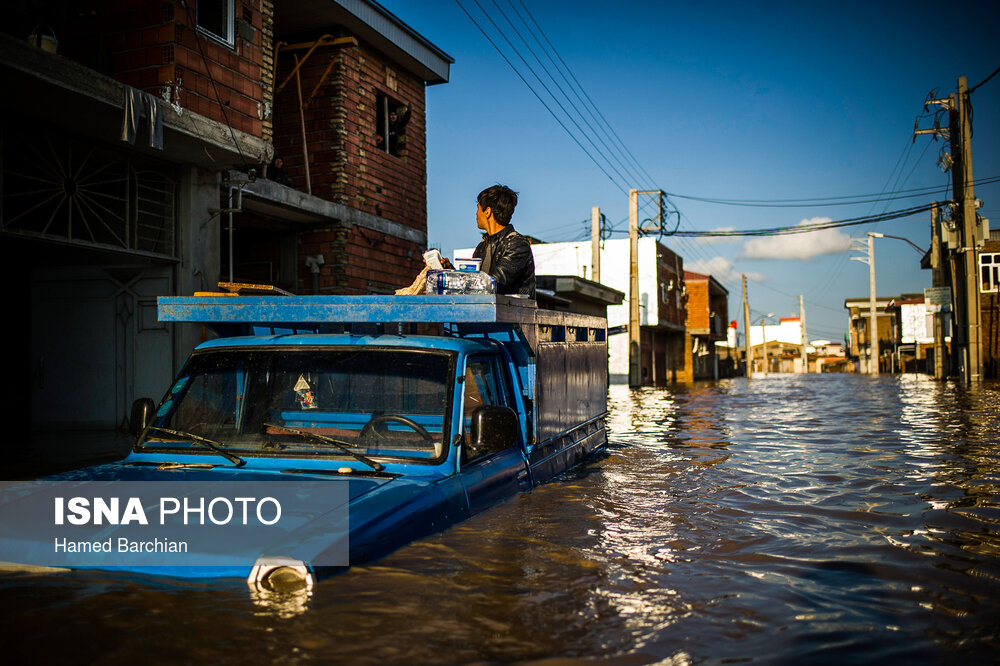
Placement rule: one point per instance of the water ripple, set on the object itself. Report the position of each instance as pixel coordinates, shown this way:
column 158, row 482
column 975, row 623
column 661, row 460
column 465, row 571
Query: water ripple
column 827, row 518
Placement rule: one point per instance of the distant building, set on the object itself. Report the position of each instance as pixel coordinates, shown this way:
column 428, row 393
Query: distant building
column 906, row 334
column 570, row 293
column 913, row 336
column 827, row 356
column 662, row 303
column 859, row 338
column 707, row 324
column 989, row 294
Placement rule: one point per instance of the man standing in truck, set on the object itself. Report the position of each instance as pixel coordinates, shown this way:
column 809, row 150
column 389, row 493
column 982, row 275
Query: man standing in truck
column 506, row 254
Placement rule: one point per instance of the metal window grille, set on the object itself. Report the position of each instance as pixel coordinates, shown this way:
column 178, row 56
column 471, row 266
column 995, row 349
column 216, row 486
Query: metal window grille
column 63, row 188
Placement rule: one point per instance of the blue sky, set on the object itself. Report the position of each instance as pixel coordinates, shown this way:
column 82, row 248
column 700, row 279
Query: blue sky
column 725, row 100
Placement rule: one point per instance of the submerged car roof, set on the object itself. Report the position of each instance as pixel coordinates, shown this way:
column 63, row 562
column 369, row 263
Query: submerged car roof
column 443, row 343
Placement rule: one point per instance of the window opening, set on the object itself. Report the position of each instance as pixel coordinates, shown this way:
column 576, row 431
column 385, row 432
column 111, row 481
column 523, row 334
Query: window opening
column 390, row 123
column 216, row 17
column 989, row 272
column 482, row 388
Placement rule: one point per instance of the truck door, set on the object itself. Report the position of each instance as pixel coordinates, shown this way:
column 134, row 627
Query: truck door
column 493, row 477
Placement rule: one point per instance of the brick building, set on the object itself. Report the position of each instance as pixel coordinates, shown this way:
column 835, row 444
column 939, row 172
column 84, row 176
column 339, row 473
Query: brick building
column 989, row 304
column 351, row 84
column 128, row 127
column 707, row 321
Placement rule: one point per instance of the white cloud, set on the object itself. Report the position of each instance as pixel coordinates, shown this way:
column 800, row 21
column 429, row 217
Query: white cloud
column 712, row 240
column 798, row 246
column 721, row 269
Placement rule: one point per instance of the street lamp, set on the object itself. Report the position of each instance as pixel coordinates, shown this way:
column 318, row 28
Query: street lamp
column 916, row 247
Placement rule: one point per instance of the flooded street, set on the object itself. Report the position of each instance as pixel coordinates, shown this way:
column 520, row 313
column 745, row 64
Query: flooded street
column 820, row 518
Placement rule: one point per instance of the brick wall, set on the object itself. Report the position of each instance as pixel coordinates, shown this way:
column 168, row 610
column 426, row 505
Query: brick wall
column 697, row 304
column 156, row 47
column 719, row 304
column 341, row 84
column 267, row 67
column 345, row 164
column 670, row 268
column 359, row 261
column 989, row 307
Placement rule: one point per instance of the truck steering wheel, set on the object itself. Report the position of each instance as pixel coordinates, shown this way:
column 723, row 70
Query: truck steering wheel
column 371, row 428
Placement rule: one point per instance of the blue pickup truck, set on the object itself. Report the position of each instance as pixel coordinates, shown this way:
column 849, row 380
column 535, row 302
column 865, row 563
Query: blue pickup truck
column 429, row 408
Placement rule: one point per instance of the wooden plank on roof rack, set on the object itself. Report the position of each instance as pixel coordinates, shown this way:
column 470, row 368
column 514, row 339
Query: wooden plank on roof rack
column 248, row 289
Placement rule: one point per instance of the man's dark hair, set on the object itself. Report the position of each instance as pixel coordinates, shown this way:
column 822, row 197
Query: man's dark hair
column 501, row 199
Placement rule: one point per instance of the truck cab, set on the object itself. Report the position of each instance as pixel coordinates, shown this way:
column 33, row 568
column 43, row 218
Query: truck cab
column 422, row 430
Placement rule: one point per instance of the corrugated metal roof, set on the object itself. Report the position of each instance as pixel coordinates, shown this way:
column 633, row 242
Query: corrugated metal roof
column 370, row 22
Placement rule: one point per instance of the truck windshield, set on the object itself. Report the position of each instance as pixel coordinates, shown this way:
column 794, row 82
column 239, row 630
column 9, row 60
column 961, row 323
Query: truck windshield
column 377, row 402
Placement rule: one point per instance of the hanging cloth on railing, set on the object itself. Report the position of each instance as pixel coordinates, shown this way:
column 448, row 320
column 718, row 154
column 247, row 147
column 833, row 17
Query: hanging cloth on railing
column 141, row 104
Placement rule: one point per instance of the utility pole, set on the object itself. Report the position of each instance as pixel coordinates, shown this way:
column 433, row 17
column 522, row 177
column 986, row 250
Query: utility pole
column 634, row 350
column 856, row 245
column 746, row 329
column 937, row 280
column 963, row 193
column 595, row 244
column 964, row 259
column 805, row 338
column 872, row 316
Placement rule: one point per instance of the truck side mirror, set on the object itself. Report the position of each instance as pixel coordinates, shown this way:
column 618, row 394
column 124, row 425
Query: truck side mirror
column 142, row 414
column 494, row 428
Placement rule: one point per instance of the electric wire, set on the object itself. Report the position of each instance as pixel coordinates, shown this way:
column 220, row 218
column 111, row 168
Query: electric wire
column 691, row 250
column 589, row 100
column 830, row 201
column 537, row 96
column 215, row 87
column 631, row 174
column 531, row 69
column 626, row 174
column 832, row 275
column 643, row 205
column 976, row 87
column 805, row 300
column 806, row 228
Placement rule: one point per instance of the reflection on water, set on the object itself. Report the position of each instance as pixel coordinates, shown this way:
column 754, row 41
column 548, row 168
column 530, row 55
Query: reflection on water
column 827, row 517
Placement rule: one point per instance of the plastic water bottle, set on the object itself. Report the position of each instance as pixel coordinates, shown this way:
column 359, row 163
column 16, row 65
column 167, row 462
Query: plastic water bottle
column 460, row 282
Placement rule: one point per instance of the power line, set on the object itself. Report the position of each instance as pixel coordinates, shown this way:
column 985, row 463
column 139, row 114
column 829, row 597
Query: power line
column 562, row 107
column 631, row 175
column 793, row 296
column 806, row 228
column 606, row 165
column 525, row 81
column 973, row 88
column 829, row 201
column 837, row 268
column 621, row 143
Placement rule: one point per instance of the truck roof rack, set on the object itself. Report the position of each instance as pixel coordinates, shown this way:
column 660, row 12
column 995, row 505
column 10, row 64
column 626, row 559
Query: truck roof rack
column 461, row 314
column 447, row 309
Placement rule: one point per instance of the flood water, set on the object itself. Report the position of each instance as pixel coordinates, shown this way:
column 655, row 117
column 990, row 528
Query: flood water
column 789, row 519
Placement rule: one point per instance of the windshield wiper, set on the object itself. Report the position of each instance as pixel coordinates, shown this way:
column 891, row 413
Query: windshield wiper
column 210, row 443
column 343, row 446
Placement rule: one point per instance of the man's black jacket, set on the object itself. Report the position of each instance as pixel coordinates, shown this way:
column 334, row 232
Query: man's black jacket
column 507, row 257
